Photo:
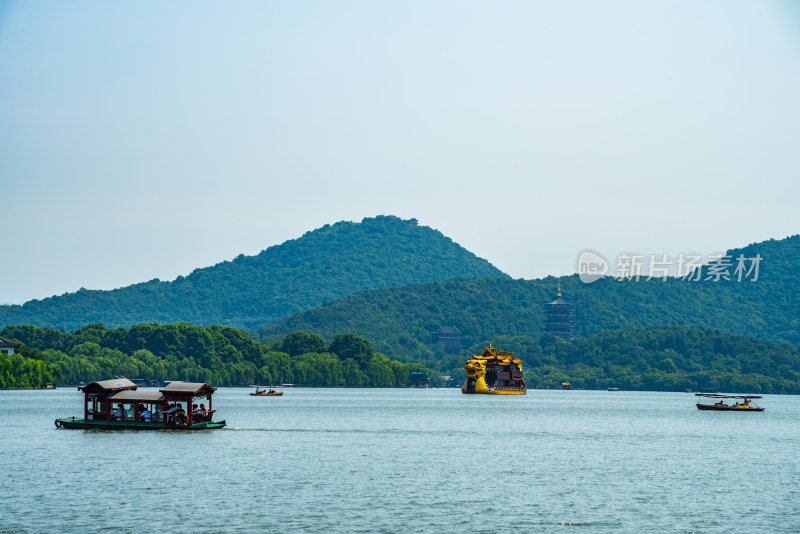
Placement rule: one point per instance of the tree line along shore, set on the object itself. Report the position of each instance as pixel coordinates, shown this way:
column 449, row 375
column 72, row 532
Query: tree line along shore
column 658, row 358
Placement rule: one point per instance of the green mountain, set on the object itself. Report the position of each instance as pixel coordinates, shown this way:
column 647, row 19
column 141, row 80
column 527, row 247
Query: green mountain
column 328, row 263
column 399, row 321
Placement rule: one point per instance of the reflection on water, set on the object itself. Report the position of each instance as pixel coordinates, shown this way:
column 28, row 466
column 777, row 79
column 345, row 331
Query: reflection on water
column 324, row 460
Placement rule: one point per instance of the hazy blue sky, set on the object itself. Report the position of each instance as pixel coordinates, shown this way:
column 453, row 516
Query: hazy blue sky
column 145, row 139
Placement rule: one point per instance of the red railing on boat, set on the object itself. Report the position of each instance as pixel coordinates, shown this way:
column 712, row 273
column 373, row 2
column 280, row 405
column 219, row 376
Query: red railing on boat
column 158, row 418
column 190, row 418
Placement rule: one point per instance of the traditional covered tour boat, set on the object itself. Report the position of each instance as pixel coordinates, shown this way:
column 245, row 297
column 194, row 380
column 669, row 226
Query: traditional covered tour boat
column 494, row 373
column 744, row 406
column 117, row 403
column 263, row 392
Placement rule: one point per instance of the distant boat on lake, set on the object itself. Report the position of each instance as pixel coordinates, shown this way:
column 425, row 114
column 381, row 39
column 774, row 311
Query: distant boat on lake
column 264, row 392
column 744, row 406
column 494, row 373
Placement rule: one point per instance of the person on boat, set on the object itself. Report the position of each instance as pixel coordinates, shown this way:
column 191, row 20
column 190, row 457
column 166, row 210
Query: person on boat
column 203, row 411
column 195, row 413
column 171, row 413
column 271, row 392
column 145, row 414
column 180, row 416
column 116, row 415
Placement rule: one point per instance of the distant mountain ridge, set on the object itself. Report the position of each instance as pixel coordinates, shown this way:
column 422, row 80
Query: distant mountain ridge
column 250, row 291
column 398, row 321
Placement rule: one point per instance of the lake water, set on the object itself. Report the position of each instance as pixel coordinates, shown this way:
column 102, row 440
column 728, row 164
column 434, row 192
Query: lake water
column 377, row 460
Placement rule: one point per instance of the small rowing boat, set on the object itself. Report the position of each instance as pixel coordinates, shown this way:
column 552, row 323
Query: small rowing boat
column 743, row 404
column 264, row 392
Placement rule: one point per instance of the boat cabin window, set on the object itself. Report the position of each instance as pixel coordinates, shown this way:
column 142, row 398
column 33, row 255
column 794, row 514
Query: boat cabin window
column 96, row 407
column 97, row 404
column 122, row 412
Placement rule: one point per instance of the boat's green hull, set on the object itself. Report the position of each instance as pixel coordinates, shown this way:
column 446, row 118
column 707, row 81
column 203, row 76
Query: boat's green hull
column 71, row 422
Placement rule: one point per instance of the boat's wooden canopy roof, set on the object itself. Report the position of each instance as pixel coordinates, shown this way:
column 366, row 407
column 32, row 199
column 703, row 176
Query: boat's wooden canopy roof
column 107, row 386
column 188, row 388
column 131, row 395
column 718, row 396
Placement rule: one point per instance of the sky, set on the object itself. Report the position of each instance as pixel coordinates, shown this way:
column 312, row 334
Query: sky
column 142, row 140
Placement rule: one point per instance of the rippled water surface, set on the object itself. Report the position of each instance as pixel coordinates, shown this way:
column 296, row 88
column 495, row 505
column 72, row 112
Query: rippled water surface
column 355, row 460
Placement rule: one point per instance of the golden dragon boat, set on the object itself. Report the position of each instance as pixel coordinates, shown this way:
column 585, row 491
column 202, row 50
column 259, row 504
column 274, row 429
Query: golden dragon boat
column 494, row 373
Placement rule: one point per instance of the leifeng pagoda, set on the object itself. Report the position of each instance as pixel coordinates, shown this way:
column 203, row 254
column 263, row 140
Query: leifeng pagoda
column 559, row 317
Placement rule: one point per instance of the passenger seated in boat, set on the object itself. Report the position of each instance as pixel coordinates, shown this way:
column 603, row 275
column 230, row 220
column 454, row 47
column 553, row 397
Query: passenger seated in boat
column 145, row 414
column 116, row 415
column 180, row 416
column 203, row 411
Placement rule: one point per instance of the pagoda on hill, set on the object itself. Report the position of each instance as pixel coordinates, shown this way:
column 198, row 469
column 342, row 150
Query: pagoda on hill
column 559, row 317
column 450, row 338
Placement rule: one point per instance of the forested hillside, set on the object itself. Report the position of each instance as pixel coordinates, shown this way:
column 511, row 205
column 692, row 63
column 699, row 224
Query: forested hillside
column 399, row 320
column 251, row 291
